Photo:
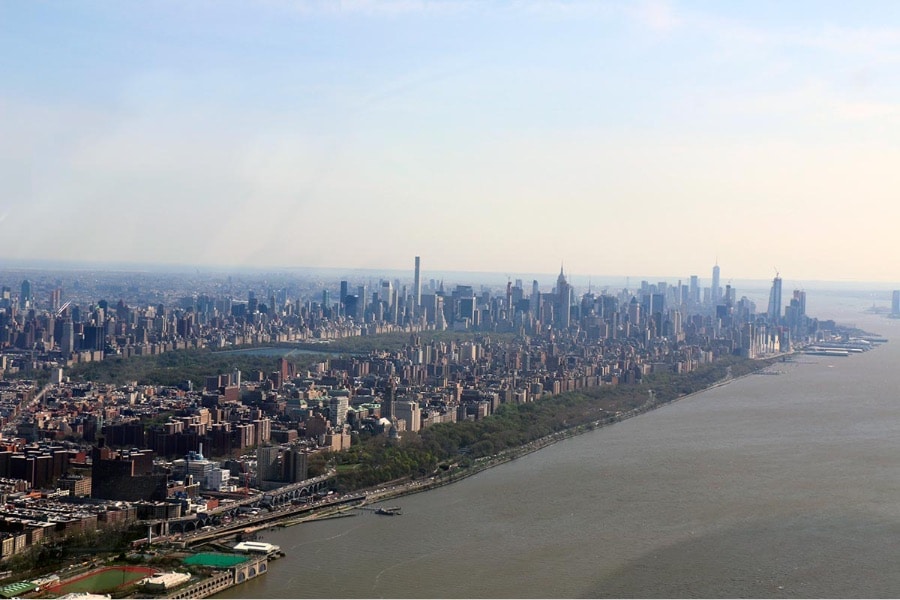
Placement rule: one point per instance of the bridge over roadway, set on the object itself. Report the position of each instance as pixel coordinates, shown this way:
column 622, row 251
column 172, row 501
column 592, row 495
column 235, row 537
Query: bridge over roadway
column 269, row 499
column 252, row 523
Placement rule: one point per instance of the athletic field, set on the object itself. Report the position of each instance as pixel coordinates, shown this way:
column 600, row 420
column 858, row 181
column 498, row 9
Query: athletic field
column 102, row 580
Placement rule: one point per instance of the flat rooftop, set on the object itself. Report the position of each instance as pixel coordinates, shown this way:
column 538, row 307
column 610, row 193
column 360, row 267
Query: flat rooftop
column 217, row 560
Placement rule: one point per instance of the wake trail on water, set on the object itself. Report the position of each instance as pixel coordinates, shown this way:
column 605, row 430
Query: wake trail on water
column 400, row 564
column 328, row 539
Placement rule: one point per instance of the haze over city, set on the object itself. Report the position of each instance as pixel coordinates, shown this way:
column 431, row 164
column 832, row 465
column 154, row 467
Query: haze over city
column 620, row 138
column 449, row 299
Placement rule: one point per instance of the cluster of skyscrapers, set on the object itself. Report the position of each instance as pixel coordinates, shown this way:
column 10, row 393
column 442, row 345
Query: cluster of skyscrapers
column 554, row 341
column 38, row 335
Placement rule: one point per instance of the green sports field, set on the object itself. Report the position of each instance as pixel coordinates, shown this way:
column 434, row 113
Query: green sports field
column 103, row 580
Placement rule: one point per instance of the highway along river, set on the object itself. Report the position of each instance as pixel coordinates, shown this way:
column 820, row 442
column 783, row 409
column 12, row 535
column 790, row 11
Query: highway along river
column 771, row 486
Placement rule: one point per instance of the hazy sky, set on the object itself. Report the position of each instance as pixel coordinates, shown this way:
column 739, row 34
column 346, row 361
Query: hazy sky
column 621, row 138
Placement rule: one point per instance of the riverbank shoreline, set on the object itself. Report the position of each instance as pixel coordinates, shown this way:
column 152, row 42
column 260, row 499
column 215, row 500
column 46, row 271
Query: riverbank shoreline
column 404, row 487
column 401, row 488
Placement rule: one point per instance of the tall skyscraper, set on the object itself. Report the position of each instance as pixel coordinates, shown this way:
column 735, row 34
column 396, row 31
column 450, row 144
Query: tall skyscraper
column 775, row 300
column 417, row 289
column 730, row 295
column 563, row 301
column 67, row 343
column 363, row 301
column 25, row 296
column 387, row 293
column 800, row 296
column 395, row 305
column 715, row 291
column 387, row 403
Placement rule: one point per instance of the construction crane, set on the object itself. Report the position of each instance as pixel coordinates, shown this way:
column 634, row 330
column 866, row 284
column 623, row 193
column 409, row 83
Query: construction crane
column 246, row 488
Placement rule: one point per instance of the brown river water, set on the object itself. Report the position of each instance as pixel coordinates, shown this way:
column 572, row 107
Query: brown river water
column 770, row 486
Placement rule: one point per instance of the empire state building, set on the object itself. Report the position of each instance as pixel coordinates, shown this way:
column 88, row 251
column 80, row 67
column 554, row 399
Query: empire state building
column 563, row 301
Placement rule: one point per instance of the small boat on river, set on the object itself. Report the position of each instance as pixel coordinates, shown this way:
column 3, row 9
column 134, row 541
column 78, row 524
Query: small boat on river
column 392, row 511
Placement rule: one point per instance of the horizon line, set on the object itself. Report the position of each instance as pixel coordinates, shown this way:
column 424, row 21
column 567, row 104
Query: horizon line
column 143, row 267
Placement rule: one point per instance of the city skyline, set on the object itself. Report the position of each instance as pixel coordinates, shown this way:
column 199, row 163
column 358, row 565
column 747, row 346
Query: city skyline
column 623, row 139
column 371, row 275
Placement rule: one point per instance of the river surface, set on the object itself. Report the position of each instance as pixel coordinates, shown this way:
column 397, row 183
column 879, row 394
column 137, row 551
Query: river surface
column 770, row 486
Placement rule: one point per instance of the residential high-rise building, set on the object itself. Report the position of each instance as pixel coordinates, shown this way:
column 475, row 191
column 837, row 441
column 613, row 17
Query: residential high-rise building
column 800, row 297
column 795, row 312
column 263, row 430
column 125, row 475
column 267, row 467
column 362, row 302
column 345, row 291
column 417, row 289
column 395, row 305
column 296, row 464
column 67, row 343
column 387, row 403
